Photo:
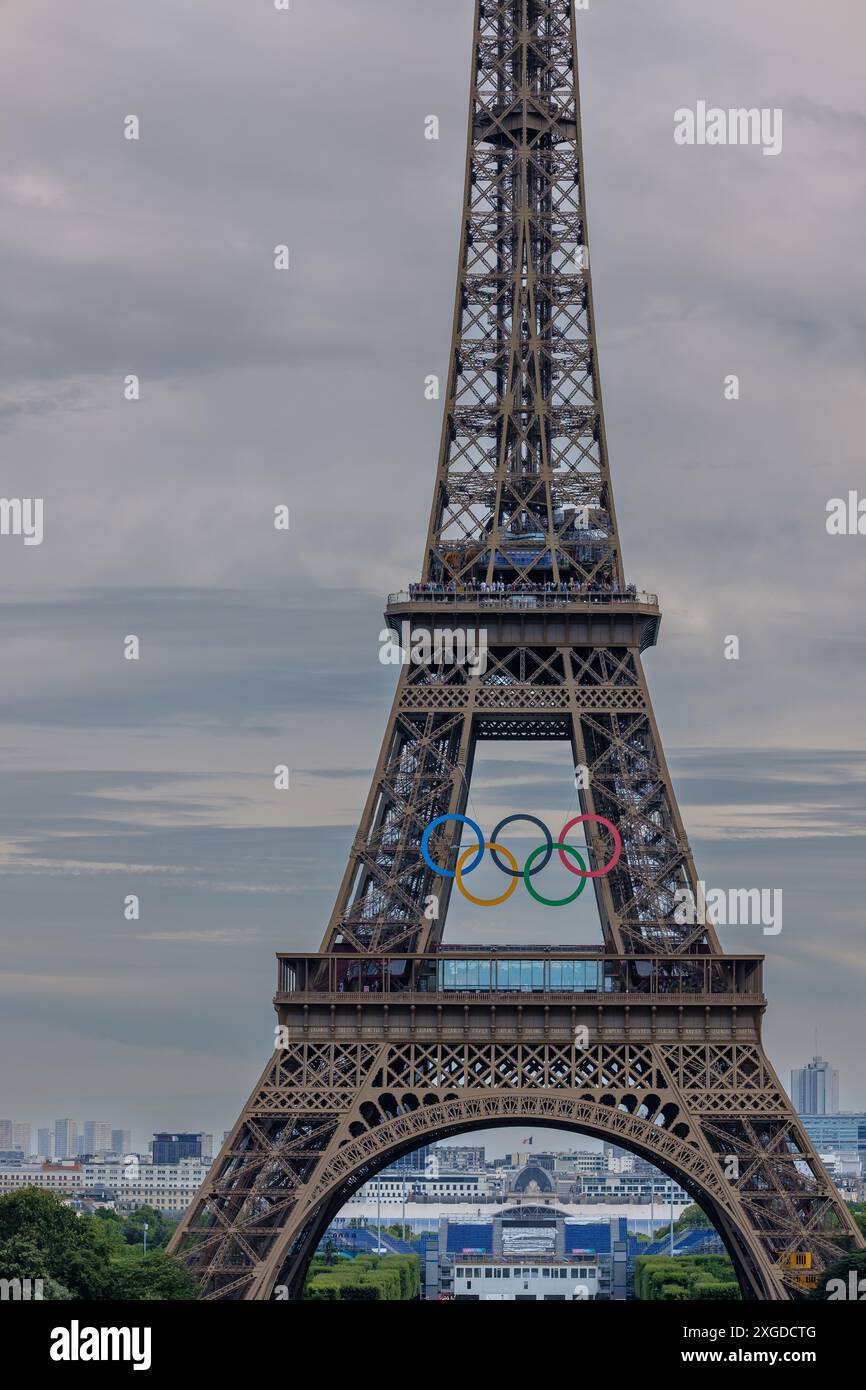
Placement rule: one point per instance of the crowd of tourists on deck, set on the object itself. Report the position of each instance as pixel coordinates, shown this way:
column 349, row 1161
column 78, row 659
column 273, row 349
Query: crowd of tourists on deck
column 522, row 588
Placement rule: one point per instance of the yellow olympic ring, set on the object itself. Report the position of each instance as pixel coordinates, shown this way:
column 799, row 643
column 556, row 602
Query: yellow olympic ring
column 487, row 902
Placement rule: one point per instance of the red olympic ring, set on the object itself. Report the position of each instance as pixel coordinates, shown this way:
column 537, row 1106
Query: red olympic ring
column 606, row 868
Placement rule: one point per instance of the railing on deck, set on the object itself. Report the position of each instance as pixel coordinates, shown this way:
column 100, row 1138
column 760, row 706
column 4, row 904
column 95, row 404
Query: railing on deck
column 488, row 973
column 537, row 596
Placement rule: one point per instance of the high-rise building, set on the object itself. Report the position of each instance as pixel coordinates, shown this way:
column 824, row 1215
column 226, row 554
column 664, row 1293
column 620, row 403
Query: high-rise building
column 845, row 1132
column 65, row 1138
column 97, row 1136
column 121, row 1141
column 22, row 1138
column 461, row 1158
column 582, row 1161
column 415, row 1162
column 6, row 1135
column 171, row 1148
column 44, row 1143
column 207, row 1146
column 815, row 1088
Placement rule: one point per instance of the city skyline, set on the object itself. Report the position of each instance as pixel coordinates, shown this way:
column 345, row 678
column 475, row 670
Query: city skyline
column 77, row 1133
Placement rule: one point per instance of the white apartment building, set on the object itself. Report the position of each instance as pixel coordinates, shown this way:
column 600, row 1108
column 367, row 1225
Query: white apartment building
column 389, row 1189
column 658, row 1190
column 168, row 1187
column 582, row 1161
column 486, row 1279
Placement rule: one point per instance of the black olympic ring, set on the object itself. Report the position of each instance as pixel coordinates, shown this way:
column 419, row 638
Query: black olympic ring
column 548, row 853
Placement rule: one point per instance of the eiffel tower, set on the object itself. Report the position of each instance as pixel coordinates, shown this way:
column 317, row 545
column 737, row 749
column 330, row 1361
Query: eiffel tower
column 392, row 1040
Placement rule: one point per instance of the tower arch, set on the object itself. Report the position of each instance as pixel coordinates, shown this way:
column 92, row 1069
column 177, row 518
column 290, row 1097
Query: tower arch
column 360, row 1163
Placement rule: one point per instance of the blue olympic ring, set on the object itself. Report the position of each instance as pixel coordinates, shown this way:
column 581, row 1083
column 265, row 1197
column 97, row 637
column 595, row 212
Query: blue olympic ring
column 440, row 820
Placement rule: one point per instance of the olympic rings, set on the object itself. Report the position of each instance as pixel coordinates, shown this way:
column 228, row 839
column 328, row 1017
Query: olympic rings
column 527, row 872
column 489, row 902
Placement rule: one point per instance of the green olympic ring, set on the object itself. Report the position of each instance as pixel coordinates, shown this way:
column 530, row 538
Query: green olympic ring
column 553, row 902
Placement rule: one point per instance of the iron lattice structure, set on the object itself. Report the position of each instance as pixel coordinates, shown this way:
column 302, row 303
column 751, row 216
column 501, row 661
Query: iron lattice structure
column 393, row 1042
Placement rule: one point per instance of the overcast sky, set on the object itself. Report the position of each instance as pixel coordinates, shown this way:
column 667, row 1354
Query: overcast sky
column 155, row 257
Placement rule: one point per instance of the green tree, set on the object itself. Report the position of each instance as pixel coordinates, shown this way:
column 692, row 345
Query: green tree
column 159, row 1228
column 691, row 1216
column 858, row 1211
column 367, row 1278
column 82, row 1257
column 159, row 1276
column 69, row 1247
column 20, row 1258
column 694, row 1276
